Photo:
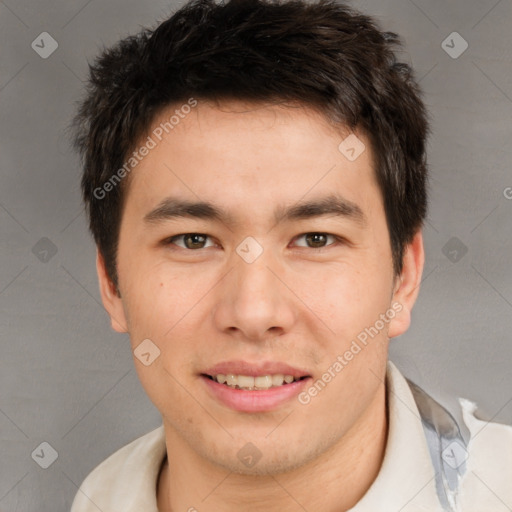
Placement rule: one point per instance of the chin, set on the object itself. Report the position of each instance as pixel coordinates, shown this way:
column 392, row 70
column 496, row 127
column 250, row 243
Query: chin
column 268, row 458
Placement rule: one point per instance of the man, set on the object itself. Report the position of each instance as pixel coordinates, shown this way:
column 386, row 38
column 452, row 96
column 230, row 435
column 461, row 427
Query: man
column 255, row 180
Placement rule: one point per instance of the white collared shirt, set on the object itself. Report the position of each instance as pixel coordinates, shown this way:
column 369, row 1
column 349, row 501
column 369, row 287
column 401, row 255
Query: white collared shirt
column 127, row 480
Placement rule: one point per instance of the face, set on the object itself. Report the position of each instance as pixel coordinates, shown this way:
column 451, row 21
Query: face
column 277, row 274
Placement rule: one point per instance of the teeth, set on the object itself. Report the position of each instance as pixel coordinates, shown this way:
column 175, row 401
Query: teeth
column 261, row 382
column 246, row 382
column 277, row 380
column 251, row 383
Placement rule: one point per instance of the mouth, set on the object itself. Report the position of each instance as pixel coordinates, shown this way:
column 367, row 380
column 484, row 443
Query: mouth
column 258, row 387
column 251, row 383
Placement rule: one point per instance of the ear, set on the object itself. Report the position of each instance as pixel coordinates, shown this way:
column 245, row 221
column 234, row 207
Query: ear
column 109, row 296
column 407, row 286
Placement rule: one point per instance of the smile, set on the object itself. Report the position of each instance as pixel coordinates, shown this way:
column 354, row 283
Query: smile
column 250, row 383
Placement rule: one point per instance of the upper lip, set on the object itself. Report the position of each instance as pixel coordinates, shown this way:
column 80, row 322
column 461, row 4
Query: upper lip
column 255, row 369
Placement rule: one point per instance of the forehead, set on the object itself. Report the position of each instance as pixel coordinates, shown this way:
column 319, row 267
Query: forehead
column 257, row 151
column 214, row 120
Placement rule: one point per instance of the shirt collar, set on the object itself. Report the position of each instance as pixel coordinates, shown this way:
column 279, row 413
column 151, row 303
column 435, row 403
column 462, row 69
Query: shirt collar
column 406, row 480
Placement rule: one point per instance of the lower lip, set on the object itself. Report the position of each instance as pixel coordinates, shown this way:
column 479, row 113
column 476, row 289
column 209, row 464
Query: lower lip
column 256, row 400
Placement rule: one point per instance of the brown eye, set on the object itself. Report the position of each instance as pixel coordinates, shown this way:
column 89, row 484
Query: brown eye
column 316, row 240
column 189, row 240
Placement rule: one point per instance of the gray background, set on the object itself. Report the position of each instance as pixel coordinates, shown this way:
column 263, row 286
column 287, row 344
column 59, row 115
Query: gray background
column 68, row 380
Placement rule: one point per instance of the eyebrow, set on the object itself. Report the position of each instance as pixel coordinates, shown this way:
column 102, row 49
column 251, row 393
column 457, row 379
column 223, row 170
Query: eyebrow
column 331, row 205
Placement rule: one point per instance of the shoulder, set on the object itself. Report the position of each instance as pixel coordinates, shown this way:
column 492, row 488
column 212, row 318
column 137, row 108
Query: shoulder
column 126, row 479
column 488, row 479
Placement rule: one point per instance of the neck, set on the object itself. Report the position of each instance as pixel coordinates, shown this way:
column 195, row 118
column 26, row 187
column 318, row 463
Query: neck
column 333, row 482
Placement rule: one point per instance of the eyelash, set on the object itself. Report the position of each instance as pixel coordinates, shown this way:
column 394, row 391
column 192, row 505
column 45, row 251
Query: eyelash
column 337, row 240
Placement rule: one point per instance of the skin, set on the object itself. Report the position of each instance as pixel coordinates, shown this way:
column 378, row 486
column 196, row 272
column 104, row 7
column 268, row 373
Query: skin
column 295, row 304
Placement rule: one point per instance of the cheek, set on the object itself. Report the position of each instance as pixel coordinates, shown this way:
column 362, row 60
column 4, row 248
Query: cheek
column 152, row 292
column 346, row 297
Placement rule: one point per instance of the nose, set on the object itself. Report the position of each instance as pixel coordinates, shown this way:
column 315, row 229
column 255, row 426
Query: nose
column 254, row 300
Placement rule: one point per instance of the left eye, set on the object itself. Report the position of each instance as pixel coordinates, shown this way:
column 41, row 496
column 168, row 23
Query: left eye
column 318, row 240
column 190, row 240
